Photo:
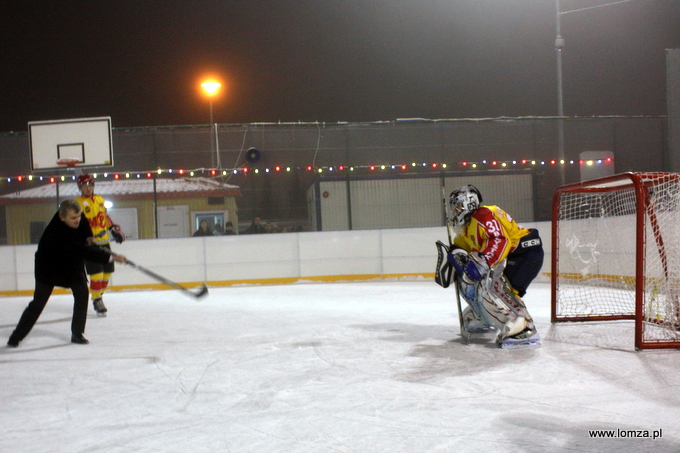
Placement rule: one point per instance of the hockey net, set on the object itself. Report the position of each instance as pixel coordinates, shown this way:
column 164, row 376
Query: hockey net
column 616, row 254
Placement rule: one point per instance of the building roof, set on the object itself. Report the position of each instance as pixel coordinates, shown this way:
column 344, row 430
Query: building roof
column 127, row 189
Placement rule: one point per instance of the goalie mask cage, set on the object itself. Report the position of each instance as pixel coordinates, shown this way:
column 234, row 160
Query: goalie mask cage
column 616, row 254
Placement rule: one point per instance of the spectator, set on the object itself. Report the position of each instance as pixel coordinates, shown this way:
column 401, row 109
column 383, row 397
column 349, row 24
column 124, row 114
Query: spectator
column 229, row 228
column 256, row 227
column 203, row 229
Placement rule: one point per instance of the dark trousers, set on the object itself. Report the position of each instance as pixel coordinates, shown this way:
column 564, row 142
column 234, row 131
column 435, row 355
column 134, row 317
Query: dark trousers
column 41, row 295
column 525, row 262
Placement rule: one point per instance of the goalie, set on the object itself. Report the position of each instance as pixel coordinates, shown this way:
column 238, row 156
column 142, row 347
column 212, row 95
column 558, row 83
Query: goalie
column 494, row 260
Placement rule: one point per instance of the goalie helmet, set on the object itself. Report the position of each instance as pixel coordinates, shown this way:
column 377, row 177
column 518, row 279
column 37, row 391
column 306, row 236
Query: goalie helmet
column 85, row 179
column 463, row 202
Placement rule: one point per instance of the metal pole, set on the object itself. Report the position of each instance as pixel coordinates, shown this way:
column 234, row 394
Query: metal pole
column 155, row 206
column 217, row 148
column 559, row 45
column 213, row 135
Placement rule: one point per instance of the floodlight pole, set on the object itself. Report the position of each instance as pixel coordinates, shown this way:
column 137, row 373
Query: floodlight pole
column 211, row 88
column 214, row 144
column 559, row 45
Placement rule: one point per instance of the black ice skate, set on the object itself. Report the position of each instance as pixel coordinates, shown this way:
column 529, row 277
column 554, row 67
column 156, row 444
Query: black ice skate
column 99, row 306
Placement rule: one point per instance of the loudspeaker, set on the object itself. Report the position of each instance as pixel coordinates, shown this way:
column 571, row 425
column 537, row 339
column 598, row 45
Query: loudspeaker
column 253, row 155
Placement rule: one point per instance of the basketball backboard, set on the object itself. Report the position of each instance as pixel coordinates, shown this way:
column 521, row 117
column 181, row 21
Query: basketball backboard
column 87, row 139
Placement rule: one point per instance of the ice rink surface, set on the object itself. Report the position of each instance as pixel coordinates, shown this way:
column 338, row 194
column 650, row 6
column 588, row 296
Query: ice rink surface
column 336, row 367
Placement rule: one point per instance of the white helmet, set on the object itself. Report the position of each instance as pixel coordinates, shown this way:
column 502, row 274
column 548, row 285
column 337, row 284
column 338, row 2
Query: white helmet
column 463, row 202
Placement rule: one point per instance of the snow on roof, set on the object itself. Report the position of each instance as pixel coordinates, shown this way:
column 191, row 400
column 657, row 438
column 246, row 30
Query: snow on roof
column 128, row 188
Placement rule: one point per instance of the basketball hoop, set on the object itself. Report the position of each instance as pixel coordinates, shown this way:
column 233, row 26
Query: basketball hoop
column 69, row 162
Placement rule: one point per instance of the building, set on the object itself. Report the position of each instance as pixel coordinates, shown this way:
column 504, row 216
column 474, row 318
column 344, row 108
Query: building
column 145, row 207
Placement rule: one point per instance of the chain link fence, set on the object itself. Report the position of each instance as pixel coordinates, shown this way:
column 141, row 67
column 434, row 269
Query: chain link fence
column 279, row 168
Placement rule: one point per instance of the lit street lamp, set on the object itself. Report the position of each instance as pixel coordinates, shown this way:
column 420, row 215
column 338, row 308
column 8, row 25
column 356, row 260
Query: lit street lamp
column 211, row 88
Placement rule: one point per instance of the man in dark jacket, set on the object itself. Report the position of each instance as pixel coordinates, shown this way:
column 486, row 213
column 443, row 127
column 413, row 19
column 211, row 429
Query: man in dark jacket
column 256, row 227
column 59, row 261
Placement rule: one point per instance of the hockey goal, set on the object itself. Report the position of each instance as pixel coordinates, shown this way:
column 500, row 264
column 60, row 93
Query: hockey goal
column 616, row 254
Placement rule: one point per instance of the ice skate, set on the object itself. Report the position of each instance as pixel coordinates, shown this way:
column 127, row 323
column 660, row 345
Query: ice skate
column 99, row 307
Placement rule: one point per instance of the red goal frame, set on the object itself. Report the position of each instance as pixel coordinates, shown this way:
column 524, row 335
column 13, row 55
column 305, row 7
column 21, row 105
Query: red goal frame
column 646, row 224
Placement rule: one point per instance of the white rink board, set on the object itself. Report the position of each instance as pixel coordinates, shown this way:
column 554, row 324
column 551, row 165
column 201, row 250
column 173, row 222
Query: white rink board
column 250, row 256
column 265, row 256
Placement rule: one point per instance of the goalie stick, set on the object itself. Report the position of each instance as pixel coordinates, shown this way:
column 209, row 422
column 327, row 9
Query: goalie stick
column 463, row 331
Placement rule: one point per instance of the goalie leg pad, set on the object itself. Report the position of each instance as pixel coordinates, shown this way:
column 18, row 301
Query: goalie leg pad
column 528, row 337
column 513, row 327
column 470, row 293
column 472, row 322
column 496, row 311
column 501, row 290
column 508, row 312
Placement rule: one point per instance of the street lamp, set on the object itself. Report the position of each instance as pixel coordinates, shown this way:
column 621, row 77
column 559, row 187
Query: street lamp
column 559, row 45
column 211, row 88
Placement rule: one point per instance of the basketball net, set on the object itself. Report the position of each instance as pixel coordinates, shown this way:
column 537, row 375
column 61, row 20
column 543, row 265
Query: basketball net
column 70, row 163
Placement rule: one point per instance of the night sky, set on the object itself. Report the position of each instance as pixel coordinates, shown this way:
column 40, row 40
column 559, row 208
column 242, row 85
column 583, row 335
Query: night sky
column 141, row 61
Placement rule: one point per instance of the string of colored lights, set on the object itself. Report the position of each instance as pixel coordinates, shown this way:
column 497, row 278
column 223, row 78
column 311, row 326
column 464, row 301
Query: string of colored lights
column 479, row 165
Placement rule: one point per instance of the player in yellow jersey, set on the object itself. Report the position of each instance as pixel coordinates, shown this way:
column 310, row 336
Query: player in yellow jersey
column 495, row 260
column 101, row 225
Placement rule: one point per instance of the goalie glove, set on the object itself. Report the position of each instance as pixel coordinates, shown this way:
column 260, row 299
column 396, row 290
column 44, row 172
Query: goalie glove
column 117, row 234
column 477, row 268
column 471, row 265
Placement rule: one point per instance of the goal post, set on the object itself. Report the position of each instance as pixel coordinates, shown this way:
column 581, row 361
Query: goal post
column 616, row 254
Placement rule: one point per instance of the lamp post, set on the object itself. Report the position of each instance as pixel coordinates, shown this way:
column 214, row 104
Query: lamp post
column 559, row 45
column 211, row 88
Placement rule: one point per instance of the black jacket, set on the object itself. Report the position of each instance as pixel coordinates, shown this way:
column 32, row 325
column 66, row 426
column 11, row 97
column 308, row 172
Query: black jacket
column 62, row 250
column 255, row 229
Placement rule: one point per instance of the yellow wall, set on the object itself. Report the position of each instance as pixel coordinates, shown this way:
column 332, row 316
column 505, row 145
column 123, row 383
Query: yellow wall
column 19, row 218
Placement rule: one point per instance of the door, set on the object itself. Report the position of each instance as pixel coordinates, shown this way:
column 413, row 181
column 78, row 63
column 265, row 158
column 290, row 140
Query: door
column 173, row 221
column 126, row 218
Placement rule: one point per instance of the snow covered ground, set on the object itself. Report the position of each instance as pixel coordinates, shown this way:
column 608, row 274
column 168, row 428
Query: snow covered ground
column 346, row 367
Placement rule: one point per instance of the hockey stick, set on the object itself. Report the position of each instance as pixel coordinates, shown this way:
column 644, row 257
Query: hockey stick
column 203, row 290
column 463, row 331
column 447, row 213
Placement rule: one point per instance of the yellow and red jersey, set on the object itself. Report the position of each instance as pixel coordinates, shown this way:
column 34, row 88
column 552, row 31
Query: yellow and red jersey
column 492, row 232
column 95, row 212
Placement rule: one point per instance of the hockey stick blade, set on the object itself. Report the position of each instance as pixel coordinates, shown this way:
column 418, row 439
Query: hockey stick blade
column 202, row 292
